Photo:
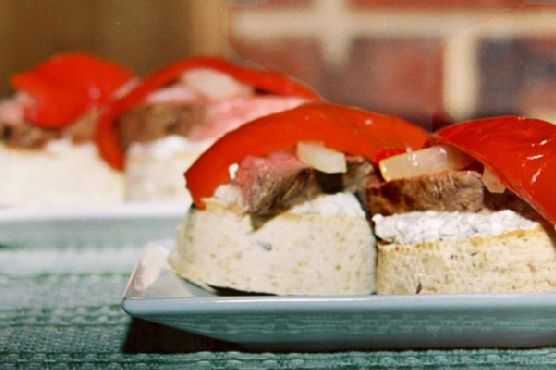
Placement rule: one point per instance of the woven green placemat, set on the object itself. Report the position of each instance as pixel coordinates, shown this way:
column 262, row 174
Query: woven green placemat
column 60, row 308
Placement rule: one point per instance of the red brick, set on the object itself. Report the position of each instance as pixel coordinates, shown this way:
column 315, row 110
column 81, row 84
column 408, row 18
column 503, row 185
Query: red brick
column 396, row 76
column 538, row 97
column 437, row 4
column 544, row 46
column 274, row 3
column 300, row 58
column 537, row 91
column 517, row 76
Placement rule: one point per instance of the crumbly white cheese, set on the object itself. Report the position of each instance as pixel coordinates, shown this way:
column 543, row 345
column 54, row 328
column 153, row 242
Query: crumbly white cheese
column 431, row 226
column 154, row 171
column 168, row 147
column 66, row 145
column 339, row 204
column 229, row 194
column 62, row 174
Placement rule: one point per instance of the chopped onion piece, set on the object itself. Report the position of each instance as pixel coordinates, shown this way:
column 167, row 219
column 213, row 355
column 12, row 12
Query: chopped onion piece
column 215, row 85
column 435, row 159
column 492, row 181
column 321, row 158
column 233, row 170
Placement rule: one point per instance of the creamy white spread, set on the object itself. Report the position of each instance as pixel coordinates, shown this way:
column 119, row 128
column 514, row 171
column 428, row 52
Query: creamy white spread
column 432, row 226
column 47, row 178
column 339, row 204
column 66, row 145
column 155, row 170
column 168, row 147
column 229, row 194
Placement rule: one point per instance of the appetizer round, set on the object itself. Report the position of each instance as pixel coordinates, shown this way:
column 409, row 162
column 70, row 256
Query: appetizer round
column 278, row 205
column 478, row 225
column 47, row 134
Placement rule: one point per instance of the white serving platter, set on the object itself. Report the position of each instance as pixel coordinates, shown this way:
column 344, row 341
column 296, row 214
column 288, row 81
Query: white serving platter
column 156, row 294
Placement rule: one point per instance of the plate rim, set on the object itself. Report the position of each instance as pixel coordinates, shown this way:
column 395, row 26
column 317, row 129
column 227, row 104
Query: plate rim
column 119, row 211
column 217, row 304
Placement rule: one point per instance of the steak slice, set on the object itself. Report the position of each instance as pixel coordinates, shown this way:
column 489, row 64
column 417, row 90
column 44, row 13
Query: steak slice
column 449, row 191
column 27, row 136
column 268, row 184
column 157, row 120
column 197, row 120
column 273, row 184
column 83, row 130
column 16, row 133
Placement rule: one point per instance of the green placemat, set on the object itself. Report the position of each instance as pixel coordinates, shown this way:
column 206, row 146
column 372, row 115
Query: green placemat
column 60, row 308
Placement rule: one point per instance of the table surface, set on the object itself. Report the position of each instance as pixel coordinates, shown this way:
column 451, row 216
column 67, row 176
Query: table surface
column 60, row 308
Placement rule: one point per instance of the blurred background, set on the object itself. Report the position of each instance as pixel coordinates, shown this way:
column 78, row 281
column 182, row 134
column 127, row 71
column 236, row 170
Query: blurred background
column 431, row 61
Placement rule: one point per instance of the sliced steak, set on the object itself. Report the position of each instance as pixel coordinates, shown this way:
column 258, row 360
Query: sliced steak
column 450, row 191
column 197, row 120
column 18, row 134
column 83, row 130
column 157, row 120
column 358, row 174
column 508, row 200
column 355, row 180
column 270, row 185
column 228, row 114
column 27, row 136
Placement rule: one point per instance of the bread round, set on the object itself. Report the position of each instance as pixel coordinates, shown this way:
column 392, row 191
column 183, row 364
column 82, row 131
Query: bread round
column 154, row 171
column 63, row 175
column 289, row 254
column 515, row 261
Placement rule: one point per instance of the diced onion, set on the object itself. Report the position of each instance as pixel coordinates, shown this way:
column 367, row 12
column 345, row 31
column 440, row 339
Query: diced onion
column 435, row 159
column 492, row 181
column 234, row 167
column 321, row 158
column 214, row 85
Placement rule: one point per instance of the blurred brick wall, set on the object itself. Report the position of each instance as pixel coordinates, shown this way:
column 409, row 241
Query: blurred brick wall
column 430, row 61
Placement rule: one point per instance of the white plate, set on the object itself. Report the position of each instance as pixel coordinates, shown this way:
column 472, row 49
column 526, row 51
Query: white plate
column 155, row 293
column 132, row 224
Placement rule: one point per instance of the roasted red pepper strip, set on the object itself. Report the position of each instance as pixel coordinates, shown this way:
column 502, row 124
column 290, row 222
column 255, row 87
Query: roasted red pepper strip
column 67, row 86
column 349, row 130
column 520, row 151
column 275, row 83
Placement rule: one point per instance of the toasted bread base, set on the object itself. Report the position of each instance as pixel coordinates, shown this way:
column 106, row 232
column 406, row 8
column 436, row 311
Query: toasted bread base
column 150, row 179
column 75, row 176
column 514, row 262
column 154, row 172
column 290, row 254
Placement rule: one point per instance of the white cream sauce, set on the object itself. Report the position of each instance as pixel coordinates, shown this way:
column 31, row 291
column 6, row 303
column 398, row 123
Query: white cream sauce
column 432, row 226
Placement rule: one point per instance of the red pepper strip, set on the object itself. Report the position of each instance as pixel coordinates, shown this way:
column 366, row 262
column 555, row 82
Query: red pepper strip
column 67, row 86
column 520, row 151
column 108, row 140
column 349, row 130
column 394, row 133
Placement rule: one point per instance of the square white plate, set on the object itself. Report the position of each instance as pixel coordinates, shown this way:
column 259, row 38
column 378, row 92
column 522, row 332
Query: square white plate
column 155, row 293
